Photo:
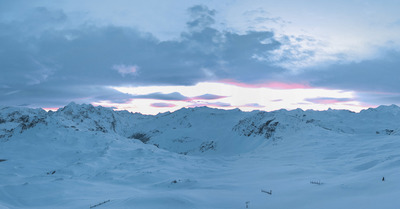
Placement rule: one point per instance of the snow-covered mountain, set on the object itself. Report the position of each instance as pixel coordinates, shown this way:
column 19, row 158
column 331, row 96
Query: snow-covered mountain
column 83, row 156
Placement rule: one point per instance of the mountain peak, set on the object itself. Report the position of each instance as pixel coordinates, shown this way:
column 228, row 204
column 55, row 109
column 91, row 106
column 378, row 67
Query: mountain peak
column 388, row 107
column 394, row 109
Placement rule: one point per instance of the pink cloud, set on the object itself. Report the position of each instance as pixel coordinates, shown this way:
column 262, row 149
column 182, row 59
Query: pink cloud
column 279, row 85
column 328, row 100
column 273, row 85
column 162, row 105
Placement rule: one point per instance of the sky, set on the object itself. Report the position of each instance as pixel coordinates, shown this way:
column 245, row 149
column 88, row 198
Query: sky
column 158, row 56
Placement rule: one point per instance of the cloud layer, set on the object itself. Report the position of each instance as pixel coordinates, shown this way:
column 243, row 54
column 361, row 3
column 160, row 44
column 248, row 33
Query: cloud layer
column 47, row 60
column 70, row 64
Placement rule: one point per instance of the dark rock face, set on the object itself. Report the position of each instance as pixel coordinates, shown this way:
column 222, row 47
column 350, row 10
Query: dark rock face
column 256, row 126
column 205, row 146
column 141, row 136
column 20, row 121
column 27, row 124
column 267, row 128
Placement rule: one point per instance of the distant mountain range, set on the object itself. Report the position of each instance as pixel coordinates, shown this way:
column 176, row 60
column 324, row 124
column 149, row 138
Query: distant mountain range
column 197, row 130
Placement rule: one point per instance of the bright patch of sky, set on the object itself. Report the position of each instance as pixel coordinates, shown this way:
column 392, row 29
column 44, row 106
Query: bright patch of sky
column 234, row 96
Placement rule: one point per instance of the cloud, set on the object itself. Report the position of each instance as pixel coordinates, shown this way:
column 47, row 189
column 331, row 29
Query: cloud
column 255, row 105
column 59, row 95
column 211, row 104
column 45, row 60
column 44, row 50
column 201, row 17
column 162, row 105
column 261, row 19
column 374, row 98
column 175, row 96
column 219, row 104
column 374, row 81
column 208, row 97
column 126, row 69
column 276, row 100
column 272, row 85
column 328, row 100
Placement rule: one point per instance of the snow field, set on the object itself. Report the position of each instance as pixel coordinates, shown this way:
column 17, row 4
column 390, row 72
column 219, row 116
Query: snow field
column 196, row 158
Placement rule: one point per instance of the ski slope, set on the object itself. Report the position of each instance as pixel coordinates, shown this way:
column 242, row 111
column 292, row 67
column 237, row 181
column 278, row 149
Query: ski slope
column 93, row 157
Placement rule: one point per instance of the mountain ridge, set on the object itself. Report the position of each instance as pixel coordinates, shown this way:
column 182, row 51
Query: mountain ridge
column 154, row 129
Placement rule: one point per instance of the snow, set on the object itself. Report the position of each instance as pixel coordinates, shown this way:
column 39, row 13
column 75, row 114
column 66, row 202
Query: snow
column 82, row 156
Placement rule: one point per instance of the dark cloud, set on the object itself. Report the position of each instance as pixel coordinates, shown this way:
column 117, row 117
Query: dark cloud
column 60, row 95
column 375, row 81
column 175, row 96
column 211, row 104
column 379, row 98
column 201, row 17
column 44, row 62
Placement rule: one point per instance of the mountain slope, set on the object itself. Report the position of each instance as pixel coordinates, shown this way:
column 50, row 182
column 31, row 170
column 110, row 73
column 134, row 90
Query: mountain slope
column 81, row 156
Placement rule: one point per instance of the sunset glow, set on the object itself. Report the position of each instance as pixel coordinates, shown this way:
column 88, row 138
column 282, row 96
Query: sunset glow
column 231, row 96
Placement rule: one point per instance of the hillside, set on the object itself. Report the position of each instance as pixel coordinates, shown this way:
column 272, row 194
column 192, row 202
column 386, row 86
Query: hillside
column 82, row 156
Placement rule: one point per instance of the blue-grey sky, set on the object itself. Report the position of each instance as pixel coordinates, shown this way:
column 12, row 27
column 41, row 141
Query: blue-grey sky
column 55, row 52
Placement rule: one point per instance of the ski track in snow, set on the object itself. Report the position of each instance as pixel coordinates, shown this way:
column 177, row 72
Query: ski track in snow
column 83, row 156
